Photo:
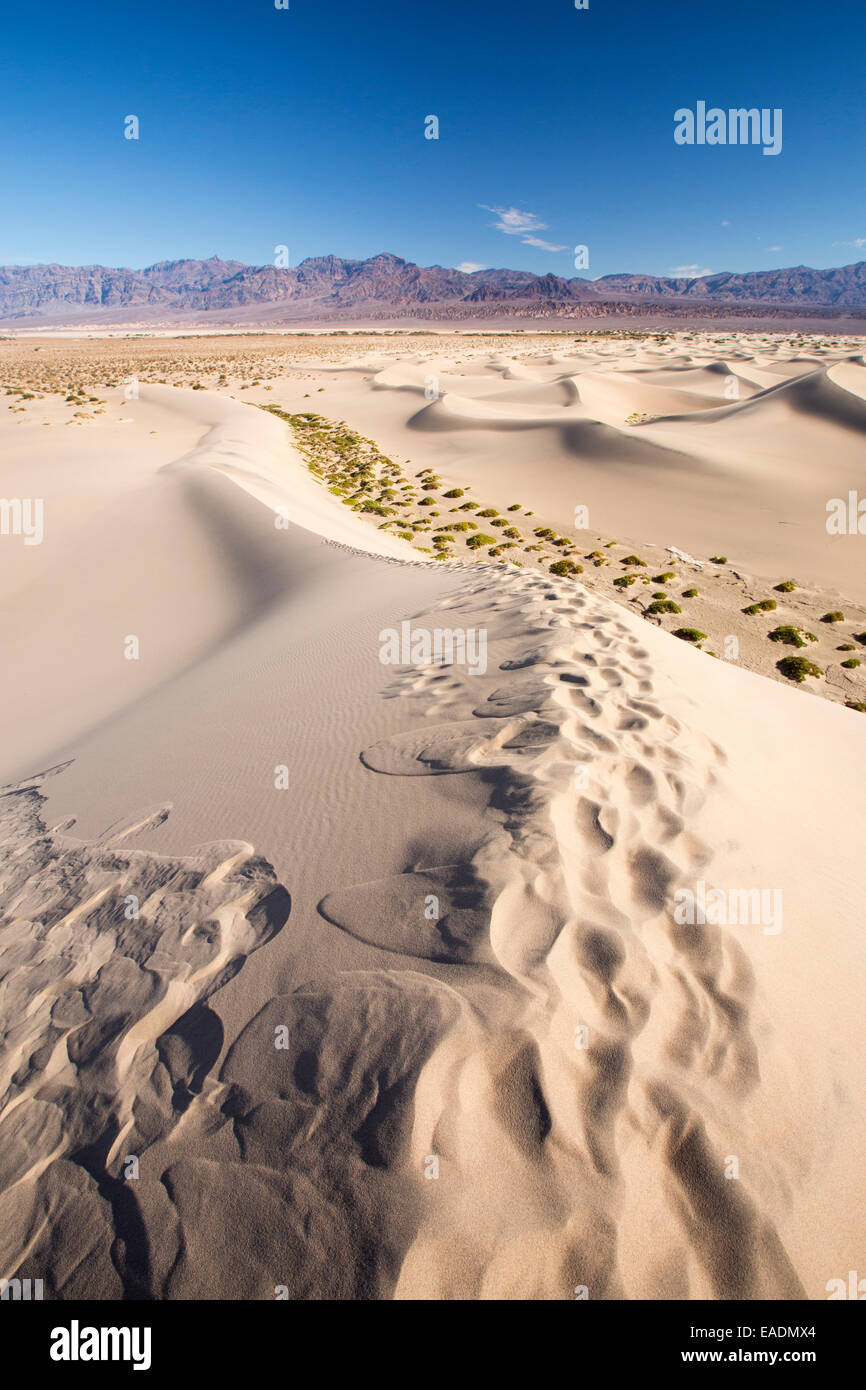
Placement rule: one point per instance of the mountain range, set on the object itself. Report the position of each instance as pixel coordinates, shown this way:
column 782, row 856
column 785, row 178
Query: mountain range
column 332, row 288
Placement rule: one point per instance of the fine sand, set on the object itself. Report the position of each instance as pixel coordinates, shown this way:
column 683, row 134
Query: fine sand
column 325, row 978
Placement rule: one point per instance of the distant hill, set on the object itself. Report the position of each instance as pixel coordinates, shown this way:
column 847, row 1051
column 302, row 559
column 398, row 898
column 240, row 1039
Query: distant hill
column 330, row 287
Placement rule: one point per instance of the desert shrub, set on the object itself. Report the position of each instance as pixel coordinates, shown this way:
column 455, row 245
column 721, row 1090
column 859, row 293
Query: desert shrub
column 792, row 636
column 764, row 605
column 633, row 560
column 834, row 617
column 664, row 578
column 787, row 586
column 624, row 581
column 565, row 567
column 455, row 492
column 664, row 605
column 718, row 559
column 690, row 593
column 851, row 663
column 797, row 668
column 690, row 634
column 475, row 542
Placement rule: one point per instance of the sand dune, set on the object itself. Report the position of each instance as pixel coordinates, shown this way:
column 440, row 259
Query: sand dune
column 736, row 450
column 405, row 1008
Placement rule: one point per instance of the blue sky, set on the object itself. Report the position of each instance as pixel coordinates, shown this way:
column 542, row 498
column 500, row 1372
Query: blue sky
column 305, row 127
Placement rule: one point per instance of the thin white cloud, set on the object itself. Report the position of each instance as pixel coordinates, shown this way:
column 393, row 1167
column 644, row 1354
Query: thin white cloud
column 545, row 245
column 775, row 248
column 469, row 266
column 726, row 223
column 690, row 272
column 513, row 222
column 858, row 242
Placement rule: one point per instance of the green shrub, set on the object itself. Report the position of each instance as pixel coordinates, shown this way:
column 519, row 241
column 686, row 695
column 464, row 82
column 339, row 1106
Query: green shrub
column 786, row 587
column 834, row 617
column 565, row 567
column 475, row 542
column 851, row 663
column 455, row 492
column 718, row 559
column 855, row 704
column 624, row 581
column 633, row 560
column 792, row 636
column 690, row 593
column 664, row 605
column 797, row 668
column 690, row 634
column 764, row 605
column 489, row 511
column 664, row 578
